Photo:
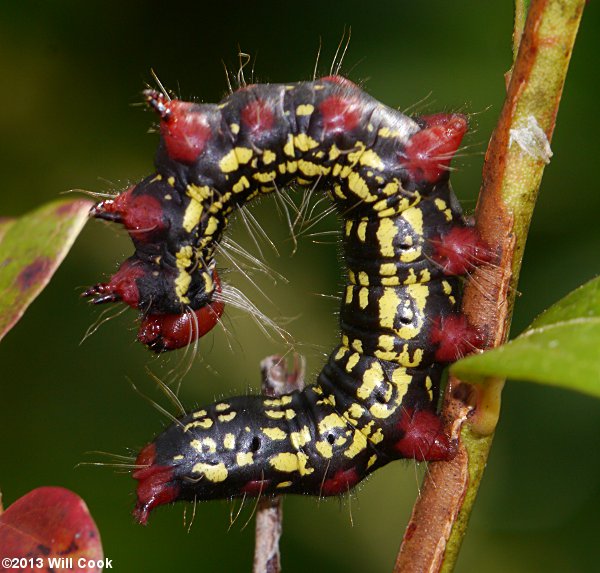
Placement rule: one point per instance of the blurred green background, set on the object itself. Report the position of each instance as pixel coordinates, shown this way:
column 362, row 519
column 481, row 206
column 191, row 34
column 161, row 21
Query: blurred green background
column 71, row 72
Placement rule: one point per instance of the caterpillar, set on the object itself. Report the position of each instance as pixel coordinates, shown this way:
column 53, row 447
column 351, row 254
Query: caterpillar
column 406, row 245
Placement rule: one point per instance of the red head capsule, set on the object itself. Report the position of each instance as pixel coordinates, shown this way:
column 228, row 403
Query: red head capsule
column 162, row 332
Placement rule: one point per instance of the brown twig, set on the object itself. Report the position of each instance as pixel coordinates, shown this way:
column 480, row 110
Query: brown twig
column 276, row 380
column 515, row 160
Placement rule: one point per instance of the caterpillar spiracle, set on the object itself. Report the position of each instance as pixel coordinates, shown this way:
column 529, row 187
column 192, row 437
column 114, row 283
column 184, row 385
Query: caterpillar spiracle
column 406, row 246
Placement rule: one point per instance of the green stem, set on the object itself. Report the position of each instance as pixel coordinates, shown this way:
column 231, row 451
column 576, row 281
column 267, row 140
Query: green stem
column 515, row 160
column 521, row 7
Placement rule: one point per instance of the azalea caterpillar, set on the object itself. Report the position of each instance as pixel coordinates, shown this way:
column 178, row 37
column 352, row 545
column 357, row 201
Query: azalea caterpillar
column 406, row 245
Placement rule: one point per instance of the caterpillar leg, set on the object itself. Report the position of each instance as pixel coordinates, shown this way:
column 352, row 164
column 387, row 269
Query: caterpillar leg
column 460, row 250
column 424, row 437
column 455, row 337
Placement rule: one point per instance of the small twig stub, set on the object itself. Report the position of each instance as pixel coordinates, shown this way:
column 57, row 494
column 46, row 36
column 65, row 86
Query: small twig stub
column 276, row 380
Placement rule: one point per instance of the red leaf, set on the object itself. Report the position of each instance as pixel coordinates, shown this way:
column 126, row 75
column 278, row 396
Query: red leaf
column 52, row 527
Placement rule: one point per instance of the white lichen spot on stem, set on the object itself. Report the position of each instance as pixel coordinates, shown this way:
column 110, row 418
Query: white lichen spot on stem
column 531, row 138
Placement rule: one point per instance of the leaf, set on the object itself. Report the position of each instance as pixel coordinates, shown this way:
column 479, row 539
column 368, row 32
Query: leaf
column 47, row 524
column 560, row 348
column 31, row 249
column 582, row 303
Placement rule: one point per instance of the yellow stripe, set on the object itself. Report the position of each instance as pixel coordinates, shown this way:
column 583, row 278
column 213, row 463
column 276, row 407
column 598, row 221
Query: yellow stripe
column 305, row 109
column 192, row 215
column 215, row 473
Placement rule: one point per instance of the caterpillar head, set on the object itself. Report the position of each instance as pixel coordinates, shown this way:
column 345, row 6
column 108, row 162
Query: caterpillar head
column 144, row 285
column 163, row 332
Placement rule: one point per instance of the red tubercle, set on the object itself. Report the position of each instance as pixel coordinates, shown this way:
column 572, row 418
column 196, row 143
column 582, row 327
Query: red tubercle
column 455, row 337
column 144, row 460
column 123, row 282
column 428, row 153
column 424, row 438
column 141, row 214
column 153, row 487
column 164, row 332
column 460, row 251
column 121, row 287
column 185, row 132
column 341, row 482
column 339, row 114
column 112, row 209
column 255, row 487
column 144, row 217
column 257, row 116
column 340, row 80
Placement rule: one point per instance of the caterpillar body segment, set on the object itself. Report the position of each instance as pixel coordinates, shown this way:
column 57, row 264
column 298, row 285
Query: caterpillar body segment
column 373, row 160
column 153, row 212
column 321, row 441
column 406, row 245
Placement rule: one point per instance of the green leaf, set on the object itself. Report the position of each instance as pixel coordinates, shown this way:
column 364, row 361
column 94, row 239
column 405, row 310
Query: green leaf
column 560, row 348
column 31, row 249
column 582, row 303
